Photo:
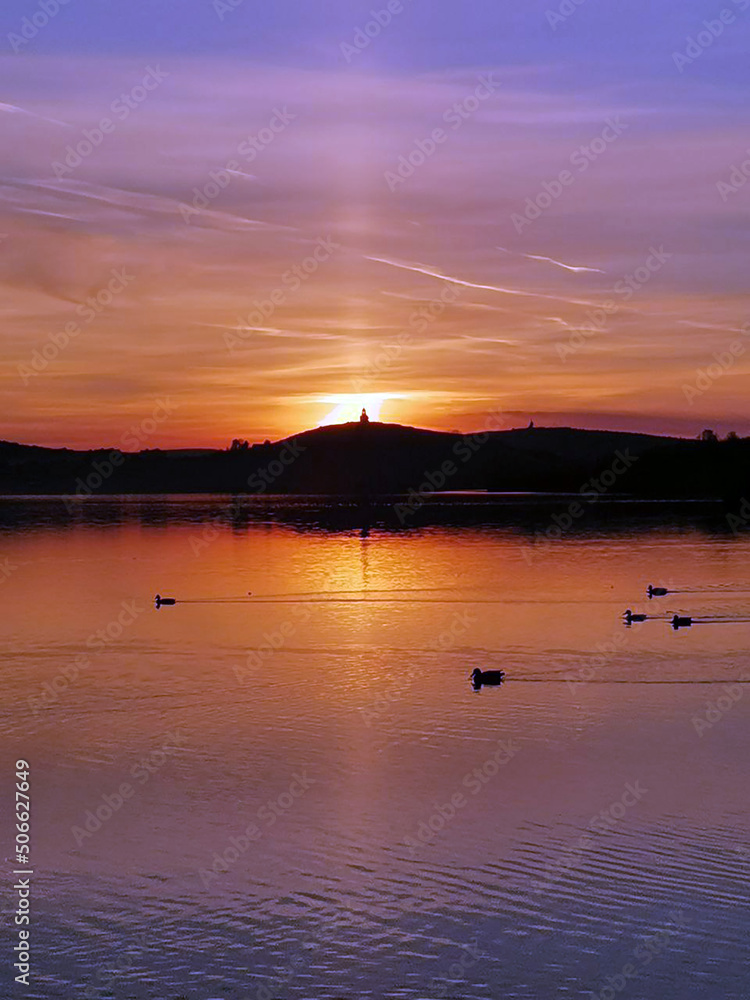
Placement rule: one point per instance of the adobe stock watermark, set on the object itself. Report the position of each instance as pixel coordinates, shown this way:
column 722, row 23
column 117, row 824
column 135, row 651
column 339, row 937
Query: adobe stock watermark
column 607, row 819
column 605, row 653
column 364, row 36
column 291, row 281
column 473, row 782
column 211, row 531
column 260, row 481
column 103, row 982
column 274, row 640
column 324, row 935
column 98, row 642
column 112, row 802
column 644, row 954
column 603, row 822
column 270, row 813
column 321, row 935
column 449, row 638
column 434, row 481
column 581, row 158
column 696, row 45
column 424, row 148
column 284, row 975
column 384, row 360
column 456, row 972
column 565, row 9
column 46, row 11
column 717, row 709
column 224, row 7
column 740, row 521
column 94, row 306
column 626, row 288
column 133, row 439
column 7, row 569
column 122, row 108
column 249, row 150
column 391, row 353
column 592, row 490
column 739, row 173
column 724, row 361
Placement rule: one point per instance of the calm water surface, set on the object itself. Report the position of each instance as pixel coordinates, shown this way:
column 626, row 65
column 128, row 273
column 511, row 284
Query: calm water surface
column 322, row 806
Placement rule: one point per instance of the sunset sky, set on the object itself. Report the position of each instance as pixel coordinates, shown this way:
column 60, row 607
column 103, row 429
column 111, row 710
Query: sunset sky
column 304, row 132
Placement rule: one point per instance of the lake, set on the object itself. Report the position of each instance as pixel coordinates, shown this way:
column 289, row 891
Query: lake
column 298, row 794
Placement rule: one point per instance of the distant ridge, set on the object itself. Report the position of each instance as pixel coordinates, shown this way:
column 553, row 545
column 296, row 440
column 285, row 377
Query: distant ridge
column 382, row 458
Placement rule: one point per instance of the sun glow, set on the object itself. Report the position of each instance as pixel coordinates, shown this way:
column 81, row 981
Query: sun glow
column 348, row 408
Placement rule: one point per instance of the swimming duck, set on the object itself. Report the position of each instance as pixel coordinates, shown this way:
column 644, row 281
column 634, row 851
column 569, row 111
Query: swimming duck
column 656, row 591
column 480, row 677
column 159, row 600
column 630, row 617
column 679, row 622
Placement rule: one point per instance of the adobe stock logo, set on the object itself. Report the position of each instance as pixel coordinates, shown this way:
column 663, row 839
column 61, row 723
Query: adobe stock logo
column 738, row 178
column 455, row 116
column 581, row 158
column 696, row 45
column 224, row 7
column 121, row 109
column 31, row 26
column 94, row 305
column 724, row 361
column 379, row 19
column 566, row 9
column 220, row 178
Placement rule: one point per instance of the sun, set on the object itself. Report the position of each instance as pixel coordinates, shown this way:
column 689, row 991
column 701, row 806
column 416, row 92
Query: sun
column 349, row 407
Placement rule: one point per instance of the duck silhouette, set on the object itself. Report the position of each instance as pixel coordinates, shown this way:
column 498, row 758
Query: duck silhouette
column 656, row 591
column 159, row 600
column 680, row 622
column 480, row 677
column 630, row 617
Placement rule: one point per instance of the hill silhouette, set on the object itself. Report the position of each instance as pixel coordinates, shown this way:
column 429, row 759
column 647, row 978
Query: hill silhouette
column 378, row 458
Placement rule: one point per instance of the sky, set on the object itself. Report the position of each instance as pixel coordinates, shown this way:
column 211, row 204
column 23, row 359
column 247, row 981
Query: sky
column 243, row 215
